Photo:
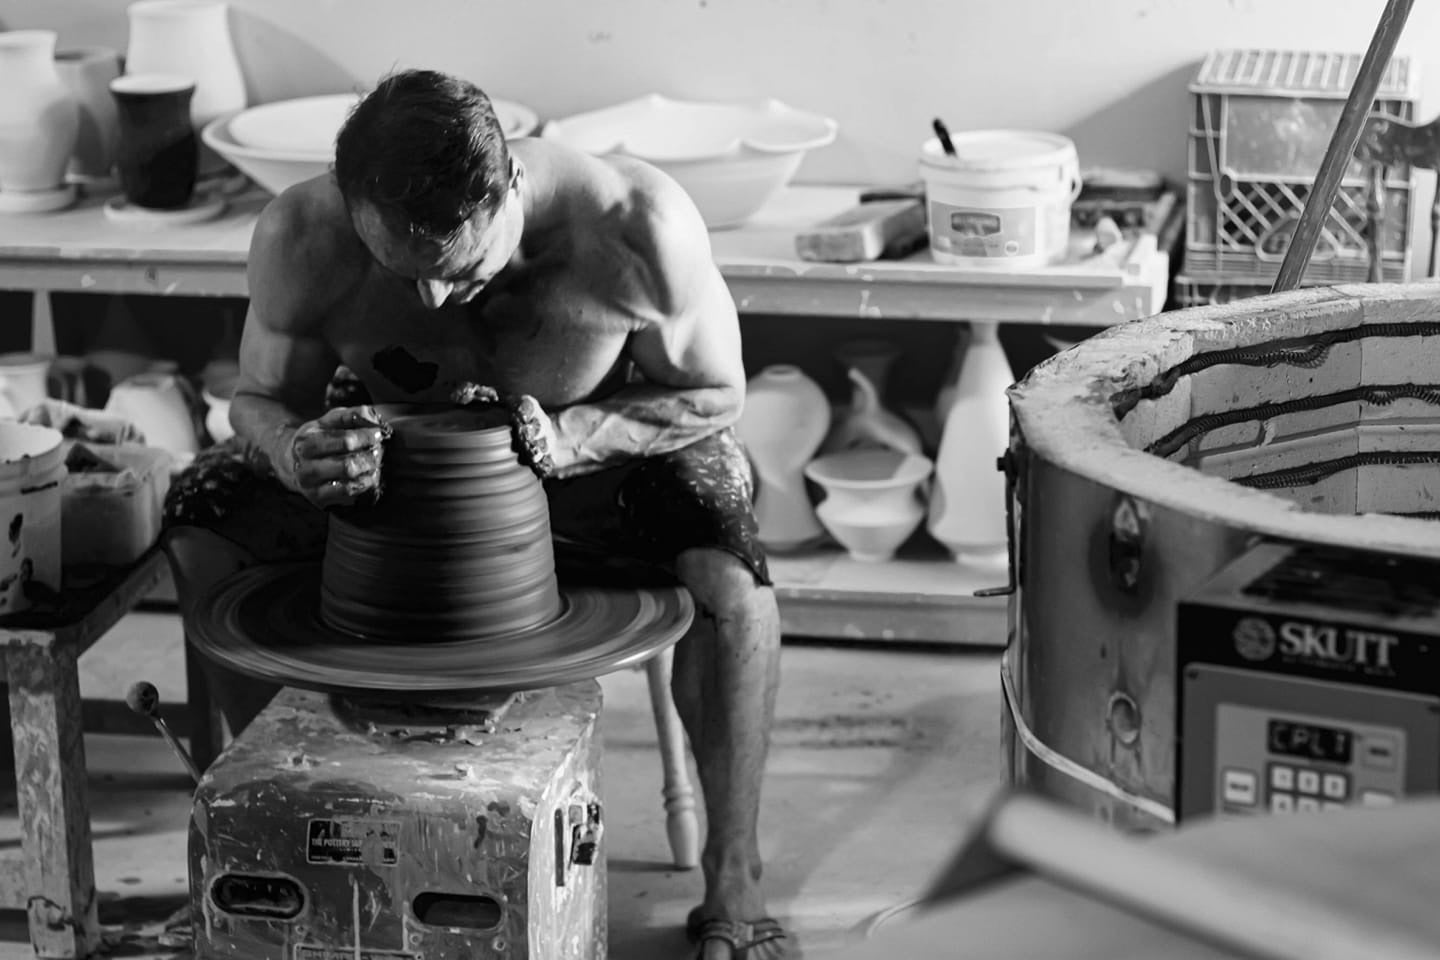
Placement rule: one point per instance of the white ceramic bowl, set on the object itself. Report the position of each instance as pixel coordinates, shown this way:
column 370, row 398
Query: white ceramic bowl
column 872, row 498
column 287, row 142
column 730, row 157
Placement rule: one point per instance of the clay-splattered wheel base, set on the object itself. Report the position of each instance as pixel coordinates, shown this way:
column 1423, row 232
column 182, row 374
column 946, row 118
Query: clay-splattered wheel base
column 265, row 622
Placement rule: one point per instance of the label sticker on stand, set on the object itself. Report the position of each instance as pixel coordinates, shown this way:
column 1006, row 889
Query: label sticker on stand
column 352, row 840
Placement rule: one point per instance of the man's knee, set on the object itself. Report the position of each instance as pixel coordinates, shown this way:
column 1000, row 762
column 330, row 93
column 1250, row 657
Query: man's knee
column 724, row 586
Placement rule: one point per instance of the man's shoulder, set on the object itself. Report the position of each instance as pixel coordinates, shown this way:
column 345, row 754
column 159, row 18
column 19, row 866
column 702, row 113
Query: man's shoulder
column 308, row 217
column 303, row 249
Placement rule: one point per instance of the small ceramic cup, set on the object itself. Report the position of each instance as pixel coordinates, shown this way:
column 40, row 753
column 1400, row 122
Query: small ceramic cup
column 158, row 154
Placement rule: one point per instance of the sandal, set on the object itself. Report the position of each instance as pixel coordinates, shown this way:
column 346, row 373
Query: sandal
column 742, row 937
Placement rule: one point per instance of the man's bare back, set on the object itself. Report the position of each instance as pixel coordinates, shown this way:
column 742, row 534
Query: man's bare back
column 554, row 324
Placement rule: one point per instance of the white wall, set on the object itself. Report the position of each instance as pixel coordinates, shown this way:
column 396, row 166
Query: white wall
column 1110, row 73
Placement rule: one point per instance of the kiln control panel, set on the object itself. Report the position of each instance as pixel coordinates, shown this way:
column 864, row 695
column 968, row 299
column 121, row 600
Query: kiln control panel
column 1308, row 679
column 1279, row 762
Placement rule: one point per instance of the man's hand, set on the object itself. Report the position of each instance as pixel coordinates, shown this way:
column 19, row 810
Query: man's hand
column 335, row 460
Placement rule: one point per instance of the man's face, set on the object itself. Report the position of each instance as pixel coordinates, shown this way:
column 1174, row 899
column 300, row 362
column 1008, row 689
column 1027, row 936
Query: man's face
column 454, row 271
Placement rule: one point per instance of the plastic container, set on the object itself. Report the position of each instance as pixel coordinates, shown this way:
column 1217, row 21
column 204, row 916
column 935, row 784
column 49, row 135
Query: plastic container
column 32, row 470
column 1003, row 201
column 1260, row 121
column 112, row 517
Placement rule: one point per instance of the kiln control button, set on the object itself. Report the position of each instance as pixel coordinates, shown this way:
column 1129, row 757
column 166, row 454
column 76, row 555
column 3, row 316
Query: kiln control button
column 1334, row 786
column 1282, row 803
column 1376, row 798
column 1307, row 805
column 1379, row 752
column 1239, row 787
column 1282, row 777
column 1308, row 781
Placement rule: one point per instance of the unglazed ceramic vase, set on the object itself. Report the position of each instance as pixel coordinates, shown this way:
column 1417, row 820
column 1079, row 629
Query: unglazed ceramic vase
column 873, row 499
column 160, row 405
column 86, row 73
column 38, row 118
column 868, row 424
column 785, row 420
column 158, row 156
column 872, row 356
column 949, row 384
column 190, row 38
column 967, row 502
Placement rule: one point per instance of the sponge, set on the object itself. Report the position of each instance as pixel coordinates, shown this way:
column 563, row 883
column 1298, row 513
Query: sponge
column 869, row 231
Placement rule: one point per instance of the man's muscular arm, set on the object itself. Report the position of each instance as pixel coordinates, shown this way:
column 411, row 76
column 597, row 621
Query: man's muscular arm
column 687, row 349
column 285, row 364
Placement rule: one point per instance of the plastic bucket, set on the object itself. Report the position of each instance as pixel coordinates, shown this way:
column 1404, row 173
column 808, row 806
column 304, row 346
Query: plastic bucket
column 1003, row 201
column 32, row 472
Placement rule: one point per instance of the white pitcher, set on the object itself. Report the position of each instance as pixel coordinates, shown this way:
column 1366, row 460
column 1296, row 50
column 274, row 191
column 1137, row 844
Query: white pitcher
column 967, row 502
column 190, row 38
column 158, row 404
column 38, row 119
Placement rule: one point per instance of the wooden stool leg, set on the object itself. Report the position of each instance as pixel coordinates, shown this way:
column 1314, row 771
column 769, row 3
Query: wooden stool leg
column 207, row 729
column 680, row 822
column 50, row 785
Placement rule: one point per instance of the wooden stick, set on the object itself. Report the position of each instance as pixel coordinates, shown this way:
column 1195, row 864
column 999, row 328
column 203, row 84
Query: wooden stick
column 1342, row 144
column 1150, row 881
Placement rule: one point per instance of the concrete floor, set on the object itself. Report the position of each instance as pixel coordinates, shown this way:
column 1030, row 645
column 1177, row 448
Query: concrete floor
column 882, row 757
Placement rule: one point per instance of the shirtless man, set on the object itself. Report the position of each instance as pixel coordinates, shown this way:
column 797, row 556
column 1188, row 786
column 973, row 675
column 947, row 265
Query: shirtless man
column 438, row 255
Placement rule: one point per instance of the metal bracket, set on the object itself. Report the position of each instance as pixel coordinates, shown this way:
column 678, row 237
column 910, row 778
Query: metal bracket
column 1007, row 463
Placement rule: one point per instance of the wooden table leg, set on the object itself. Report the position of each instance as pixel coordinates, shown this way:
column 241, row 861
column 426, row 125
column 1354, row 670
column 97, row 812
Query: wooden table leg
column 49, row 741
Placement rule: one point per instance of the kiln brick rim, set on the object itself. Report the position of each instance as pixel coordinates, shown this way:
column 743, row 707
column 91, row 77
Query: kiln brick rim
column 1064, row 410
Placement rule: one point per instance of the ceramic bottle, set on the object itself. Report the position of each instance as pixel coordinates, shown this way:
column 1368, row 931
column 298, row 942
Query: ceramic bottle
column 785, row 420
column 86, row 73
column 868, row 424
column 38, row 119
column 967, row 501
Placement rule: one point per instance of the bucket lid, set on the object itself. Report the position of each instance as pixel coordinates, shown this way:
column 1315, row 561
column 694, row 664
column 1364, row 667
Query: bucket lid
column 999, row 151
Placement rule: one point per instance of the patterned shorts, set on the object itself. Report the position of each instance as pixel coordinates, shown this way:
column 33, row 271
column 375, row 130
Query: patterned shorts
column 648, row 510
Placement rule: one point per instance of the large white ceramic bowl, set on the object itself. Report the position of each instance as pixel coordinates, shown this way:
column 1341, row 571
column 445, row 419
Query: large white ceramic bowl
column 872, row 498
column 730, row 157
column 286, row 142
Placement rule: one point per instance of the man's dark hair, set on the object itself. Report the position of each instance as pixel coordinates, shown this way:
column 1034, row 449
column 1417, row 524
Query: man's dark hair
column 426, row 148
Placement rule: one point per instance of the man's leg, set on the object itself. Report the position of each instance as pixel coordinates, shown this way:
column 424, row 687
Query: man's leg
column 199, row 560
column 727, row 669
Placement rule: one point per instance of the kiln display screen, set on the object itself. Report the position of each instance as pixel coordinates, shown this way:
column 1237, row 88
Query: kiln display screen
column 1309, row 741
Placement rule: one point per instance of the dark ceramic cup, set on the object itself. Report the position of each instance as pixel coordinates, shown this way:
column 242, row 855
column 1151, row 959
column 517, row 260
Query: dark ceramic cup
column 158, row 154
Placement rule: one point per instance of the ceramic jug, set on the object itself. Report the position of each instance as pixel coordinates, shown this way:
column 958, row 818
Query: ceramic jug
column 23, row 382
column 967, row 502
column 38, row 119
column 161, row 406
column 785, row 420
column 86, row 73
column 190, row 38
column 868, row 424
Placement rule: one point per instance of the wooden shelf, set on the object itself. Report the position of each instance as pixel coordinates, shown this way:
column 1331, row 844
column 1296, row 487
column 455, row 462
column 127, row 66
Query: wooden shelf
column 80, row 250
column 920, row 596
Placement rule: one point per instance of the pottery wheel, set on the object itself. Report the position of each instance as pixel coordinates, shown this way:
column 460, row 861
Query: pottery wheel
column 265, row 622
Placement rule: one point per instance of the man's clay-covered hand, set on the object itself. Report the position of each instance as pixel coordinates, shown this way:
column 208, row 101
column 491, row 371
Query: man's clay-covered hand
column 465, row 393
column 335, row 460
